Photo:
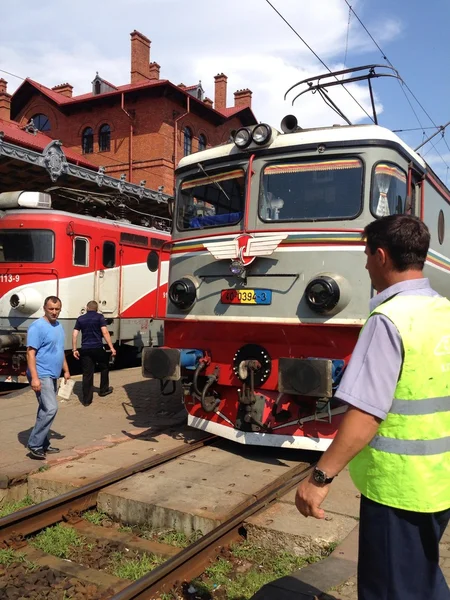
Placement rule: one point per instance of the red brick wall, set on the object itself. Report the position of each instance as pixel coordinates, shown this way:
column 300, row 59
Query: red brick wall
column 153, row 134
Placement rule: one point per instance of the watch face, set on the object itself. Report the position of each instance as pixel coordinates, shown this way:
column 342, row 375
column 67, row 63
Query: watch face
column 319, row 476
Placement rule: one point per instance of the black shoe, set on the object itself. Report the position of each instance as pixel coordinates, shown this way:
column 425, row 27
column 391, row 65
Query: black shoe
column 86, row 403
column 108, row 391
column 37, row 453
column 52, row 450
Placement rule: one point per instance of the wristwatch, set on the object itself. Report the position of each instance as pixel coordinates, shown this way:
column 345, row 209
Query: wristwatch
column 320, row 476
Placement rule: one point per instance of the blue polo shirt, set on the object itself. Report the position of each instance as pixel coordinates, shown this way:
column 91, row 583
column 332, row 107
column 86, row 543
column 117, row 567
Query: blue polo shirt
column 90, row 325
column 48, row 341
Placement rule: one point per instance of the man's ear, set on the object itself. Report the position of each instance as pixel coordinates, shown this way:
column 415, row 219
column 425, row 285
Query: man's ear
column 382, row 256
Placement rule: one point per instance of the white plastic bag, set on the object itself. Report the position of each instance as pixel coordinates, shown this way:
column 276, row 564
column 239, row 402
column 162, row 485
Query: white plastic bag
column 65, row 388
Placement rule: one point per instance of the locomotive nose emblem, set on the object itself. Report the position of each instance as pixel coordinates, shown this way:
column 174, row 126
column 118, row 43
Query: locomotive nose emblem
column 245, row 247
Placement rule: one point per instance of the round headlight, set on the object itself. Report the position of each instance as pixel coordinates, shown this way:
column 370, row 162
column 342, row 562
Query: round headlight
column 242, row 138
column 322, row 294
column 261, row 134
column 182, row 293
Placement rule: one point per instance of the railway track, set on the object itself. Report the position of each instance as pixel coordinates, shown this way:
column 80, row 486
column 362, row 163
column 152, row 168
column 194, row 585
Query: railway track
column 183, row 565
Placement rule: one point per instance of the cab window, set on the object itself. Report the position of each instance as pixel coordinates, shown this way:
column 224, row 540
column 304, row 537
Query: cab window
column 389, row 190
column 109, row 255
column 81, row 252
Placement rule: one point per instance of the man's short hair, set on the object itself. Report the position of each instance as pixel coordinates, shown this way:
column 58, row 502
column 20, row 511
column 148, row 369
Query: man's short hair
column 92, row 305
column 53, row 299
column 406, row 239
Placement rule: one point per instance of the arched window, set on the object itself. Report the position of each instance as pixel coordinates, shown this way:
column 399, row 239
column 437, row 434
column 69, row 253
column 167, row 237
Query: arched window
column 41, row 122
column 87, row 141
column 187, row 141
column 97, row 87
column 104, row 138
column 201, row 142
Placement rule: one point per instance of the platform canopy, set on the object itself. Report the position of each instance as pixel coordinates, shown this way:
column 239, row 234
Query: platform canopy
column 30, row 160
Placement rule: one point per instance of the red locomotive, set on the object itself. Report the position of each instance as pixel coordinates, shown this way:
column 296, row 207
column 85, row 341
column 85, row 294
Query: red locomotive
column 79, row 257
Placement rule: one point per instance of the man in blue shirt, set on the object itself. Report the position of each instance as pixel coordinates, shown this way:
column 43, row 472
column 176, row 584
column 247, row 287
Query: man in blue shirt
column 93, row 328
column 45, row 358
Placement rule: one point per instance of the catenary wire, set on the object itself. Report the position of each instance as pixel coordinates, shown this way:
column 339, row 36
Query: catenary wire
column 403, row 83
column 317, row 56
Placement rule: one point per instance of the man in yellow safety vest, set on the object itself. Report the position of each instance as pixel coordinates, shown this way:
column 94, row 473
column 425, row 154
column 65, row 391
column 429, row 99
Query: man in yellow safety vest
column 396, row 432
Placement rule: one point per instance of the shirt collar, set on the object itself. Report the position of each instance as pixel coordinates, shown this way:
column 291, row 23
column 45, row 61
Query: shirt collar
column 403, row 286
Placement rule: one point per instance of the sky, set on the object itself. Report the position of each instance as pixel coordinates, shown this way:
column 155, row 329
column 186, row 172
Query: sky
column 54, row 42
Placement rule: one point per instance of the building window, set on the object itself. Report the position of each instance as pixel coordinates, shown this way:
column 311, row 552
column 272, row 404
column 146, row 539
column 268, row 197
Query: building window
column 97, row 88
column 41, row 122
column 104, row 138
column 187, row 141
column 201, row 142
column 88, row 141
column 81, row 252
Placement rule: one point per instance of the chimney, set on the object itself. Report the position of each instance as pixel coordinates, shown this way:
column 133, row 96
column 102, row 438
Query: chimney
column 140, row 57
column 208, row 101
column 243, row 98
column 5, row 101
column 65, row 89
column 220, row 91
column 153, row 70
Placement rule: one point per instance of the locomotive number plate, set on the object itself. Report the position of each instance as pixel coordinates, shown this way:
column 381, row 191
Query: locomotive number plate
column 246, row 296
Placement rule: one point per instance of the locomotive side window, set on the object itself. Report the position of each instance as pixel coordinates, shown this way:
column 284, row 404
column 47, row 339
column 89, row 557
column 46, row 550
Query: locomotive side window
column 311, row 190
column 389, row 190
column 31, row 245
column 81, row 252
column 109, row 255
column 214, row 199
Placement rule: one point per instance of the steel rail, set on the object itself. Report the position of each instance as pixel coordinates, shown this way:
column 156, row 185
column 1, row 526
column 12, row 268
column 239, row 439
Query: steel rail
column 31, row 519
column 191, row 561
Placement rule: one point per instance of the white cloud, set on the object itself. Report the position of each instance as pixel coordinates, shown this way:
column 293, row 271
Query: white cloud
column 245, row 39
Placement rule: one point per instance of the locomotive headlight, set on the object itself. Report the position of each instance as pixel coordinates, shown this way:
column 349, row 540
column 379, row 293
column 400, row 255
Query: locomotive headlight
column 261, row 134
column 26, row 301
column 322, row 294
column 242, row 138
column 238, row 269
column 183, row 293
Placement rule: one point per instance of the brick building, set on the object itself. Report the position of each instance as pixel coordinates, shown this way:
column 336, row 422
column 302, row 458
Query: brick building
column 142, row 128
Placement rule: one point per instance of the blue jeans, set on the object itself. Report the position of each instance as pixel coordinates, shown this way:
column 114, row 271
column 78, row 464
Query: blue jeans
column 47, row 409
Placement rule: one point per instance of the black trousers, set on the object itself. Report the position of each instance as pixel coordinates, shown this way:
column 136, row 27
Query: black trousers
column 90, row 357
column 399, row 553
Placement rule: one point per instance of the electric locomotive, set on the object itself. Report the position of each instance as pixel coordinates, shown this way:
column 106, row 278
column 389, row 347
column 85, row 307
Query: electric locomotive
column 78, row 257
column 267, row 283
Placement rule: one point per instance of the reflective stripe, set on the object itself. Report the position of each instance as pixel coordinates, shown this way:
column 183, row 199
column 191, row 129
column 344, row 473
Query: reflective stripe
column 427, row 406
column 411, row 447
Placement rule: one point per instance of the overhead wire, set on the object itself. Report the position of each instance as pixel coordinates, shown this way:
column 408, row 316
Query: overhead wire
column 402, row 83
column 317, row 56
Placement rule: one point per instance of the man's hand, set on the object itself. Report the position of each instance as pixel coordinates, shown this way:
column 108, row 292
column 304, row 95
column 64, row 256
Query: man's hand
column 309, row 497
column 76, row 354
column 36, row 384
column 66, row 376
column 113, row 351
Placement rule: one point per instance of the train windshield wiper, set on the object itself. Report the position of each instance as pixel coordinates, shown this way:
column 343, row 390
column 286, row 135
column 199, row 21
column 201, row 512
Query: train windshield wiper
column 216, row 183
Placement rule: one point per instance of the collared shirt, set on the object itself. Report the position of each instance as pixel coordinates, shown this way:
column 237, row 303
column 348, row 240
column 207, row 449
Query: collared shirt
column 90, row 324
column 371, row 376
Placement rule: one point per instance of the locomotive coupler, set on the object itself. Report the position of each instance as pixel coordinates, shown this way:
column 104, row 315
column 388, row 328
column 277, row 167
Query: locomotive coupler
column 247, row 396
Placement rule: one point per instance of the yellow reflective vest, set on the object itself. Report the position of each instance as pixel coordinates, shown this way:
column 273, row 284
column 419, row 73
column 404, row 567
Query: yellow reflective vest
column 407, row 464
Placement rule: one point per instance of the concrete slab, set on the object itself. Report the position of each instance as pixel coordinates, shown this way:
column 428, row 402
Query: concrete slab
column 282, row 527
column 162, row 502
column 343, row 498
column 63, row 478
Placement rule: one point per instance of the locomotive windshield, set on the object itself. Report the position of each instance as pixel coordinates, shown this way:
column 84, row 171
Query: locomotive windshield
column 32, row 245
column 212, row 199
column 311, row 190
